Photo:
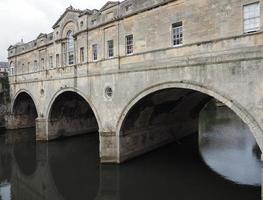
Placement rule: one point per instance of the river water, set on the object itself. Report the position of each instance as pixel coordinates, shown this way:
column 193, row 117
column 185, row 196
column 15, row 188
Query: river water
column 70, row 169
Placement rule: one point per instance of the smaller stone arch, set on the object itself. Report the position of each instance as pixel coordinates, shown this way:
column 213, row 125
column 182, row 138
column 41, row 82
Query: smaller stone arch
column 79, row 93
column 15, row 98
column 234, row 106
column 23, row 111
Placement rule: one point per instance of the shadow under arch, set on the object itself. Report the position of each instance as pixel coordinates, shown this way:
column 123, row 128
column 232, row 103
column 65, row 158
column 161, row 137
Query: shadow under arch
column 234, row 106
column 19, row 92
column 71, row 113
column 23, row 110
column 58, row 93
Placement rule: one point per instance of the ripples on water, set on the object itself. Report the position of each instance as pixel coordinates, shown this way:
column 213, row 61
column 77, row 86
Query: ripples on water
column 70, row 169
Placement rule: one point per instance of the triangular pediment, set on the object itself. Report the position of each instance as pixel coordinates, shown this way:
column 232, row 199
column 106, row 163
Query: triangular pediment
column 42, row 35
column 109, row 4
column 69, row 9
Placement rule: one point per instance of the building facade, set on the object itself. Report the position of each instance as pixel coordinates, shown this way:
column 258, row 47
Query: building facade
column 4, row 67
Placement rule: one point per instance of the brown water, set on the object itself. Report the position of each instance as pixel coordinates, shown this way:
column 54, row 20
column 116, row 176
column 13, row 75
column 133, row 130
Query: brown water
column 70, row 169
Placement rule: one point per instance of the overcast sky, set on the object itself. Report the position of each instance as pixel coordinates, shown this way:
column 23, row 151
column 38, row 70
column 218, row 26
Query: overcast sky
column 25, row 19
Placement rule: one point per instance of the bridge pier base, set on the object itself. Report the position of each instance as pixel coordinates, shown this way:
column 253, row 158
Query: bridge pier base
column 109, row 147
column 18, row 122
column 41, row 129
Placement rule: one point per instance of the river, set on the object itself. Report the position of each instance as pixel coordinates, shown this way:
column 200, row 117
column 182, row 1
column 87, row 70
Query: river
column 70, row 169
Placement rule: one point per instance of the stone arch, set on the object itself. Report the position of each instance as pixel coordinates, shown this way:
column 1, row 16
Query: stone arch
column 15, row 98
column 23, row 111
column 69, row 26
column 82, row 95
column 234, row 106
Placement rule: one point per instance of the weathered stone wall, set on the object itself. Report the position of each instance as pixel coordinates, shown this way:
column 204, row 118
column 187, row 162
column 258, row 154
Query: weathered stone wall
column 4, row 98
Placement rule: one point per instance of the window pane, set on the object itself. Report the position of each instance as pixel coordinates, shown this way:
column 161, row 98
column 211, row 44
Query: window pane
column 251, row 17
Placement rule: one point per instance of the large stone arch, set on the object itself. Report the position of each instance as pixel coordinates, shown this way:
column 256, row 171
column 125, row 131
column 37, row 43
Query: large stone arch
column 245, row 116
column 80, row 94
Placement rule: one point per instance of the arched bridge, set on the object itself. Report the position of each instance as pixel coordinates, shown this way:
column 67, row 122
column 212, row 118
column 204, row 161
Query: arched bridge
column 140, row 107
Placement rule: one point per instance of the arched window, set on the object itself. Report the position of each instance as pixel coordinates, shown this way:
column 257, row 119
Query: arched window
column 12, row 68
column 70, row 48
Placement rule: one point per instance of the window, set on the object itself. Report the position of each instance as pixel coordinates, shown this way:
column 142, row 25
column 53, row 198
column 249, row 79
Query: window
column 251, row 17
column 12, row 69
column 129, row 44
column 110, row 49
column 50, row 61
column 23, row 68
column 35, row 65
column 110, row 16
column 93, row 22
column 177, row 31
column 57, row 60
column 95, row 51
column 42, row 64
column 28, row 66
column 81, row 54
column 64, row 54
column 81, row 24
column 70, row 48
column 128, row 7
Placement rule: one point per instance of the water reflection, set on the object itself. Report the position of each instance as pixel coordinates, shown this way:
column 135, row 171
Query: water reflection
column 228, row 146
column 69, row 169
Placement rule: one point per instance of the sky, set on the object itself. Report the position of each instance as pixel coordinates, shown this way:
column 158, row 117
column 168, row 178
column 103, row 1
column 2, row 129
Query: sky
column 25, row 19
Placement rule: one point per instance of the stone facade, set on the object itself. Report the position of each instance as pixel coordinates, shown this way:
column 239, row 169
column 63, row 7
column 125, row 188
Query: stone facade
column 216, row 58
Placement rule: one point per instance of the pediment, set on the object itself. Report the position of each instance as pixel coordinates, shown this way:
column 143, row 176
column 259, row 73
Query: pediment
column 109, row 4
column 69, row 9
column 42, row 35
column 10, row 47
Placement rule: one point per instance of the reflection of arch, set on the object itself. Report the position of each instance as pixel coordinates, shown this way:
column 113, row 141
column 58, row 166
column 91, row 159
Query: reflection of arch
column 17, row 95
column 80, row 94
column 234, row 106
column 67, row 164
column 26, row 158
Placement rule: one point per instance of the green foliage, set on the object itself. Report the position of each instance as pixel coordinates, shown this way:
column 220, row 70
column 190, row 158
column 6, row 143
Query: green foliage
column 4, row 92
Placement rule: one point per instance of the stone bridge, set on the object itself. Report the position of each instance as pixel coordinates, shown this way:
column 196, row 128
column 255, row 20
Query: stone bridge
column 146, row 90
column 151, row 102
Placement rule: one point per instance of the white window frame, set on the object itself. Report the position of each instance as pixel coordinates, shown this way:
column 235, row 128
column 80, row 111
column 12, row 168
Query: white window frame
column 129, row 44
column 51, row 62
column 70, row 49
column 250, row 17
column 177, row 34
column 110, row 48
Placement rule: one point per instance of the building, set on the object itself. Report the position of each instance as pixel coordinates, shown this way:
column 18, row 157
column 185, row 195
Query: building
column 4, row 67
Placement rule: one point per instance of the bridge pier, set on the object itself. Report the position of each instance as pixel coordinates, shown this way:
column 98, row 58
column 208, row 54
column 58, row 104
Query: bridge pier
column 109, row 152
column 41, row 129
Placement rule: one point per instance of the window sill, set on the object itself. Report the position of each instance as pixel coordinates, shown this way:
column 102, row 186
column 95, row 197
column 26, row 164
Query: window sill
column 179, row 45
